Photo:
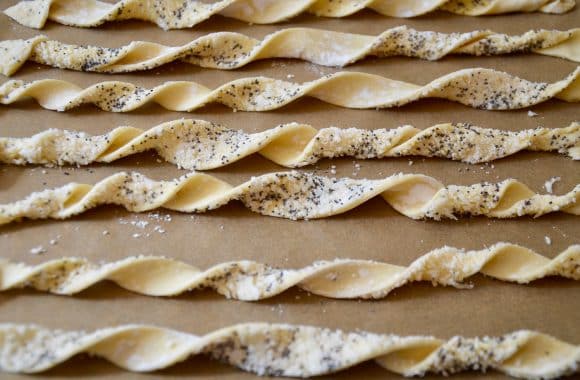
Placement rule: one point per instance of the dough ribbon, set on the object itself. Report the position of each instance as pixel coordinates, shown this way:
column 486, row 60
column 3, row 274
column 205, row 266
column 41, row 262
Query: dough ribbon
column 294, row 195
column 251, row 281
column 479, row 88
column 227, row 50
column 289, row 350
column 203, row 145
column 176, row 14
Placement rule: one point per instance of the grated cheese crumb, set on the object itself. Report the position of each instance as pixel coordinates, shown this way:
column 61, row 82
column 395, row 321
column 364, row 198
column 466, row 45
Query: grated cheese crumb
column 39, row 250
column 549, row 184
column 140, row 223
column 548, row 240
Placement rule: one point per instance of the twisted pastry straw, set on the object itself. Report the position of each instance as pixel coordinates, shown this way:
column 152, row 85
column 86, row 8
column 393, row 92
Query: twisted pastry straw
column 479, row 88
column 177, row 14
column 202, row 145
column 226, row 50
column 252, row 281
column 293, row 195
column 289, row 350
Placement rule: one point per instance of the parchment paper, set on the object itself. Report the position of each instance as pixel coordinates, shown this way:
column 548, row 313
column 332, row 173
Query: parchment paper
column 372, row 231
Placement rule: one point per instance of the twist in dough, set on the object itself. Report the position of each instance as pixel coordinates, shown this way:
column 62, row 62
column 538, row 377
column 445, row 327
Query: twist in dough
column 293, row 195
column 202, row 145
column 226, row 50
column 177, row 14
column 252, row 281
column 289, row 350
column 480, row 88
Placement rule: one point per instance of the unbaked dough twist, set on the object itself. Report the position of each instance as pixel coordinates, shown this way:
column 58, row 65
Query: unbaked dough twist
column 479, row 88
column 202, row 145
column 252, row 281
column 294, row 195
column 289, row 350
column 226, row 50
column 177, row 14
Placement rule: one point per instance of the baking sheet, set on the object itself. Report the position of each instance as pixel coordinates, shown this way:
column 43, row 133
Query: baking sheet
column 371, row 231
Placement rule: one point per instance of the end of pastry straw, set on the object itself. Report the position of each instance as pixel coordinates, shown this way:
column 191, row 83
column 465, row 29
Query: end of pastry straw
column 32, row 14
column 15, row 53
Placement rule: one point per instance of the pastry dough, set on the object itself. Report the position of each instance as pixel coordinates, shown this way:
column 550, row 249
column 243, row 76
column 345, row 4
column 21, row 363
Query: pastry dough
column 479, row 88
column 289, row 350
column 226, row 50
column 252, row 281
column 293, row 195
column 176, row 14
column 202, row 145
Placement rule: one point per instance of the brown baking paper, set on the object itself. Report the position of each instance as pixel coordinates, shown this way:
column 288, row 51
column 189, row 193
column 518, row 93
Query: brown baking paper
column 371, row 231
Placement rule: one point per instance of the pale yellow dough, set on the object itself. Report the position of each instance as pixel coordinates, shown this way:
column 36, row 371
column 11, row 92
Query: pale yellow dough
column 202, row 145
column 226, row 50
column 479, row 88
column 294, row 195
column 174, row 14
column 289, row 350
column 252, row 281
column 277, row 349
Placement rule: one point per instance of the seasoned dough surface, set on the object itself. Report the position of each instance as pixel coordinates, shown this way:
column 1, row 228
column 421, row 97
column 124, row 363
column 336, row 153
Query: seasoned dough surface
column 203, row 145
column 290, row 350
column 175, row 14
column 480, row 88
column 294, row 195
column 227, row 50
column 251, row 281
